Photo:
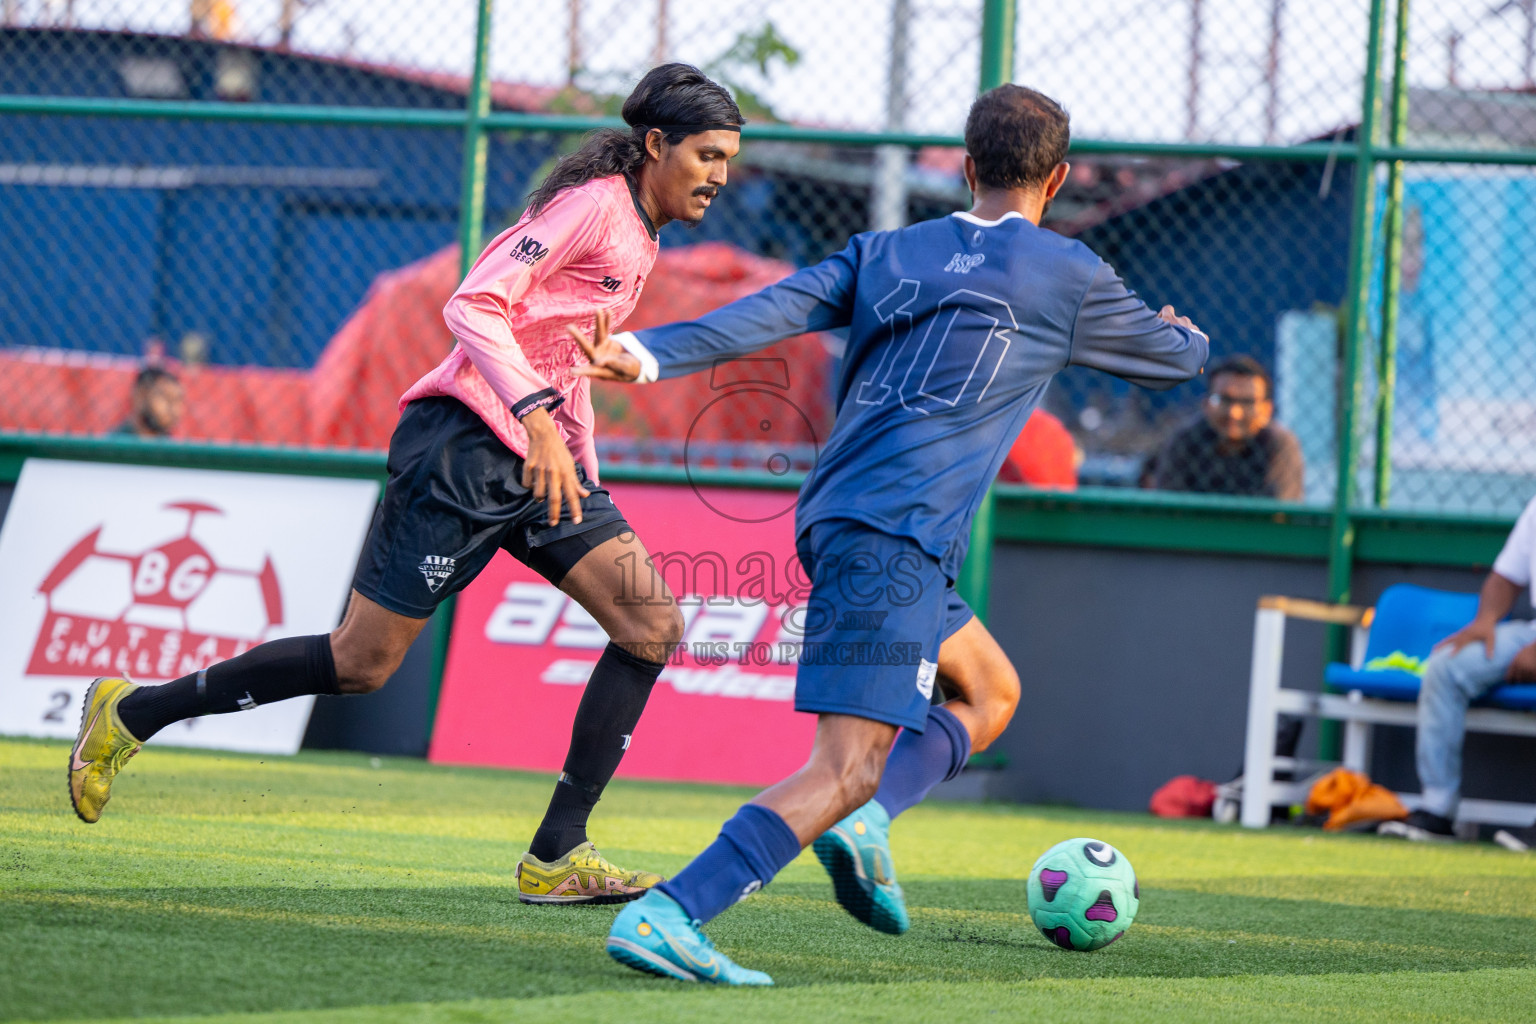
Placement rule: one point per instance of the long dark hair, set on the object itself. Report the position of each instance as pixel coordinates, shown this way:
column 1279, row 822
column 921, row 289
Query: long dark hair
column 672, row 94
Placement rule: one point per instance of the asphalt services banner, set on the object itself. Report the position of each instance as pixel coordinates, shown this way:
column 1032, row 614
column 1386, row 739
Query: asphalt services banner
column 723, row 709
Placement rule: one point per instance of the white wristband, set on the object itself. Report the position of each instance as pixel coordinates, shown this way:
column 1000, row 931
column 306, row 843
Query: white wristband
column 649, row 368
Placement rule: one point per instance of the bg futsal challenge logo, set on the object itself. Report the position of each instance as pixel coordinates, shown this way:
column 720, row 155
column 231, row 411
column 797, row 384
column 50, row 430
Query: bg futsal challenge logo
column 155, row 614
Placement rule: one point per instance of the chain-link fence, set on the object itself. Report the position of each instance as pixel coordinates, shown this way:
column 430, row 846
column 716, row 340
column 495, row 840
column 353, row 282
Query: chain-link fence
column 265, row 199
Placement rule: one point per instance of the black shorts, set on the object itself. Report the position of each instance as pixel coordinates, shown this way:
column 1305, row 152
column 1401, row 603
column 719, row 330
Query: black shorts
column 455, row 495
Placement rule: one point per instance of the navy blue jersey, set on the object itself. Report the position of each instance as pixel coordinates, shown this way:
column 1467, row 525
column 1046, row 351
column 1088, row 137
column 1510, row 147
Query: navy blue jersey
column 954, row 326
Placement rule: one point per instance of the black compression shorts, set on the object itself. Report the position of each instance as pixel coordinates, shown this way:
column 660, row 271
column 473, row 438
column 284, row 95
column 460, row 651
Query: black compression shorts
column 455, row 495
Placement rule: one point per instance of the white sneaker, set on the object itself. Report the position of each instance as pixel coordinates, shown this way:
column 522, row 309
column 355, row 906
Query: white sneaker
column 1518, row 839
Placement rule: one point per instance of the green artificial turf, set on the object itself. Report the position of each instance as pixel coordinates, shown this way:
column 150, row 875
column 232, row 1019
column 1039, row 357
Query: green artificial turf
column 339, row 888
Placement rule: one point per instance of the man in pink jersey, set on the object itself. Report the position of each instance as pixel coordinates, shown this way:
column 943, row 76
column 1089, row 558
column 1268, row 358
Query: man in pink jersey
column 494, row 450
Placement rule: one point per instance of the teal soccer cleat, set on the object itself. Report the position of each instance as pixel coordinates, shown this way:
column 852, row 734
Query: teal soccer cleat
column 653, row 934
column 857, row 854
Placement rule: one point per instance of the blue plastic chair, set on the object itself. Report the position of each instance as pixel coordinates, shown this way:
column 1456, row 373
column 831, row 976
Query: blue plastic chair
column 1412, row 619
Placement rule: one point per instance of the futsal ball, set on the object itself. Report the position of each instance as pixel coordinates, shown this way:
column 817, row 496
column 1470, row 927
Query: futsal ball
column 1083, row 894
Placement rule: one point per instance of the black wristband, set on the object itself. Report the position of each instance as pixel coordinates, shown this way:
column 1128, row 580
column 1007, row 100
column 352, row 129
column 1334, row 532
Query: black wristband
column 546, row 399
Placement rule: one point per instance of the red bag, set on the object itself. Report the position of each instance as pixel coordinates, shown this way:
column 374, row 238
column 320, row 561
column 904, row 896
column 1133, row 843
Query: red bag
column 1184, row 796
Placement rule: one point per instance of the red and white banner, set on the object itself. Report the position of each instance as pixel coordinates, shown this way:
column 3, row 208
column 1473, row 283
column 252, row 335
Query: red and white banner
column 155, row 573
column 723, row 709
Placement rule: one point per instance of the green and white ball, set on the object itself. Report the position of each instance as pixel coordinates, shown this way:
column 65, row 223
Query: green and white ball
column 1083, row 894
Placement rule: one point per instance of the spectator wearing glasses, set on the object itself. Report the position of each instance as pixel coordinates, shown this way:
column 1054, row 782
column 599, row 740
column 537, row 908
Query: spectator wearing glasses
column 1234, row 447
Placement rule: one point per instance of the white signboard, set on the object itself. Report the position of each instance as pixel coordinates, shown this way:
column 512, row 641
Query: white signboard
column 153, row 573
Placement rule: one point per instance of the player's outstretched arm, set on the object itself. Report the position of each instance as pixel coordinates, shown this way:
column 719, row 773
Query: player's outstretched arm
column 817, row 298
column 1116, row 332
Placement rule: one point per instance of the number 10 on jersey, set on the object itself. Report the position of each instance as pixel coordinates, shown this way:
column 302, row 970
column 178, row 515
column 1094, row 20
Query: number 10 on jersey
column 957, row 359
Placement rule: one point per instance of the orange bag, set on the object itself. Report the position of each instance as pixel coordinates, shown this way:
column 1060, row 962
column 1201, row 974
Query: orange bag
column 1350, row 797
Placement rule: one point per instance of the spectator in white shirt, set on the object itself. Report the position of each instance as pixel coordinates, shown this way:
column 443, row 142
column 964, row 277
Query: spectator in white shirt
column 1467, row 664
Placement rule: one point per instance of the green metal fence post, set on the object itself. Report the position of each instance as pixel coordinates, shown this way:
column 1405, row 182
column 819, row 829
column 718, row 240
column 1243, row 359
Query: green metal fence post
column 471, row 222
column 1341, row 541
column 472, row 188
column 997, row 27
column 975, row 582
column 1357, row 320
column 1392, row 240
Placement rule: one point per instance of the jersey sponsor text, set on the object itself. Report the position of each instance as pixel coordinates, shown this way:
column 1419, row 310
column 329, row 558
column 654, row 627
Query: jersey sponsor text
column 529, row 250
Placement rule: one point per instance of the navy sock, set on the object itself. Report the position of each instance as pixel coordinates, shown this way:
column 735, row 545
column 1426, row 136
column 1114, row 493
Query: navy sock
column 752, row 847
column 920, row 761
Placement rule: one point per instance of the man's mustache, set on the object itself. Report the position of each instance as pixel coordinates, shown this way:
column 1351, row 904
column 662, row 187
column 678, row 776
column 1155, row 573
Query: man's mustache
column 707, row 190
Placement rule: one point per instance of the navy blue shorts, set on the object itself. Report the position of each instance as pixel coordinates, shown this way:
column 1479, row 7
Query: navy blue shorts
column 455, row 495
column 956, row 614
column 880, row 607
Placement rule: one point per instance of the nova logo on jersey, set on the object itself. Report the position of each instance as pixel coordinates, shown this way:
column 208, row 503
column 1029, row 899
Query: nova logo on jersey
column 610, row 284
column 964, row 263
column 529, row 250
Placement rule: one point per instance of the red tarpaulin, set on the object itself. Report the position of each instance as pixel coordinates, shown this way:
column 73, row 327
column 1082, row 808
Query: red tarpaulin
column 397, row 334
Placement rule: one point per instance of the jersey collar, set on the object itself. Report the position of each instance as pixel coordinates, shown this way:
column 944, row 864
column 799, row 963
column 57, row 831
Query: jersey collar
column 973, row 219
column 634, row 197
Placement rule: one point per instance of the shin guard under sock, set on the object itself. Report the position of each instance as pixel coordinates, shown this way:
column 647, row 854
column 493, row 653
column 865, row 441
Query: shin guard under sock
column 752, row 847
column 920, row 761
column 293, row 666
column 610, row 708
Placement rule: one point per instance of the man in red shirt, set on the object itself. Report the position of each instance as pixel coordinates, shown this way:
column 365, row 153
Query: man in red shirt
column 1044, row 455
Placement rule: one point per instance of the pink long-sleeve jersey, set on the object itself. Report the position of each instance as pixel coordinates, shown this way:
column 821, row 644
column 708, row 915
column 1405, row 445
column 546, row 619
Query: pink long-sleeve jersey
column 590, row 248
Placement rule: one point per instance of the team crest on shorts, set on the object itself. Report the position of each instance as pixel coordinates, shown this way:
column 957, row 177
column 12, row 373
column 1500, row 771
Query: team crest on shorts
column 437, row 569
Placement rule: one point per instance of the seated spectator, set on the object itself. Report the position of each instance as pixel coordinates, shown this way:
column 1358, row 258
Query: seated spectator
column 158, row 404
column 1043, row 456
column 1234, row 447
column 1479, row 656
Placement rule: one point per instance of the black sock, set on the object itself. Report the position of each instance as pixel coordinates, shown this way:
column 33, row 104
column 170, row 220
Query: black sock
column 615, row 696
column 265, row 674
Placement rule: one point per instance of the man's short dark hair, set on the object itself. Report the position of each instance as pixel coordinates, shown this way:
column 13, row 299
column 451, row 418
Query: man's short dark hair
column 1017, row 136
column 149, row 376
column 1242, row 366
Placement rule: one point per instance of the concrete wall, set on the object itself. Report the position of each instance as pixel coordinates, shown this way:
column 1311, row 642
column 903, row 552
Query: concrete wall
column 1135, row 664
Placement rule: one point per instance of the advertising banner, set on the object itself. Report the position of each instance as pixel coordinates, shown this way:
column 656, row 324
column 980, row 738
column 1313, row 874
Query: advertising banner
column 154, row 573
column 722, row 710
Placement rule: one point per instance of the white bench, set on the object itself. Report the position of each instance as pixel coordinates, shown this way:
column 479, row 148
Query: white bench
column 1267, row 701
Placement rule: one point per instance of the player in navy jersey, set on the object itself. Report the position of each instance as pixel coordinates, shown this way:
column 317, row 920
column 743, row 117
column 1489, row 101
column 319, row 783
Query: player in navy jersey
column 955, row 327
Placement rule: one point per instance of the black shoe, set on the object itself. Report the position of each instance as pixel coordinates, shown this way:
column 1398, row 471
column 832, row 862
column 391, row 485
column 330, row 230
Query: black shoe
column 1420, row 826
column 1518, row 839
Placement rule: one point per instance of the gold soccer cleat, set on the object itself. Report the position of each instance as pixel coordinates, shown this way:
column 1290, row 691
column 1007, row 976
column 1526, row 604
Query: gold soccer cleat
column 582, row 876
column 101, row 749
